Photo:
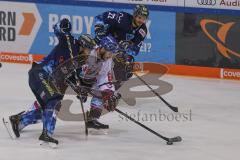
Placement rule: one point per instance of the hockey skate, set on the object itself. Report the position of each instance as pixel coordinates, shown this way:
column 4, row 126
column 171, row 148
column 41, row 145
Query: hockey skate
column 8, row 128
column 15, row 120
column 97, row 128
column 95, row 124
column 46, row 140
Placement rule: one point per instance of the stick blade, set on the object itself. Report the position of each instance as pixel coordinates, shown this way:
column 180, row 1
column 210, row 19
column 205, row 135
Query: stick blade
column 175, row 109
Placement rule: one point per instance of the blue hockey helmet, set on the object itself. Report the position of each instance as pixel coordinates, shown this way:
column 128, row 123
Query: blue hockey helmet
column 109, row 43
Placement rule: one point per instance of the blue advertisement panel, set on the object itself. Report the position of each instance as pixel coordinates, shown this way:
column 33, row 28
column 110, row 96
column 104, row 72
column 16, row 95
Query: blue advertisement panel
column 159, row 45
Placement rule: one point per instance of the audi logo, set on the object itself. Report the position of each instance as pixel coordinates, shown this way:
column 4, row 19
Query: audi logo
column 207, row 2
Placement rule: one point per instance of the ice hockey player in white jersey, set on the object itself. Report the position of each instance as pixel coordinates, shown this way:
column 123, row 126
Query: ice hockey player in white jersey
column 98, row 70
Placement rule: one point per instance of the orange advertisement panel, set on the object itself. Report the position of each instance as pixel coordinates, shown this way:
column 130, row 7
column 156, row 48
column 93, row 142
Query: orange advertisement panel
column 194, row 71
column 184, row 70
column 207, row 72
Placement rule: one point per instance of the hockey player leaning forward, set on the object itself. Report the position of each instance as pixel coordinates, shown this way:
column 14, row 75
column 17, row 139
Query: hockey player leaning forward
column 48, row 98
column 129, row 30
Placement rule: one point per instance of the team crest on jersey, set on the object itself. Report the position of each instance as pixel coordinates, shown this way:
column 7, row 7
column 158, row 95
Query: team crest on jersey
column 142, row 32
column 129, row 36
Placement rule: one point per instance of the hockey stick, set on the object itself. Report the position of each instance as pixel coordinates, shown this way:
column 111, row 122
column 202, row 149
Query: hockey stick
column 78, row 83
column 169, row 141
column 175, row 109
column 80, row 99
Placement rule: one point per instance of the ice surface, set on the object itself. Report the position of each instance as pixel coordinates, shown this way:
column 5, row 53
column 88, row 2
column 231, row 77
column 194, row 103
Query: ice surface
column 212, row 133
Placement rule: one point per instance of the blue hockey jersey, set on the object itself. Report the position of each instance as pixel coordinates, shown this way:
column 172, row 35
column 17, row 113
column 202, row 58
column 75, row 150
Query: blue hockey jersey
column 119, row 25
column 67, row 45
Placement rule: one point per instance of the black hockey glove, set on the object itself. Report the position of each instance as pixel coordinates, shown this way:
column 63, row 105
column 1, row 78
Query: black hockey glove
column 100, row 32
column 110, row 99
column 124, row 57
column 123, row 66
column 124, row 45
column 65, row 25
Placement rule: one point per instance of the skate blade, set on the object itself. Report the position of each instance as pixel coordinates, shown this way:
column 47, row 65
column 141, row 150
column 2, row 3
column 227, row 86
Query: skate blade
column 48, row 144
column 8, row 128
column 93, row 131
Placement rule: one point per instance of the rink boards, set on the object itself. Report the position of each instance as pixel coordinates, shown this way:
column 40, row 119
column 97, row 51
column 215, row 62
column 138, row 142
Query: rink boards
column 187, row 39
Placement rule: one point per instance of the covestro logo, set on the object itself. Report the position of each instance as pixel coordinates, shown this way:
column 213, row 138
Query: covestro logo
column 16, row 58
column 230, row 74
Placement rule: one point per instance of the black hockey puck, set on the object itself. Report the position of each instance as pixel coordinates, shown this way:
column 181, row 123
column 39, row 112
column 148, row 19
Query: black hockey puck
column 179, row 139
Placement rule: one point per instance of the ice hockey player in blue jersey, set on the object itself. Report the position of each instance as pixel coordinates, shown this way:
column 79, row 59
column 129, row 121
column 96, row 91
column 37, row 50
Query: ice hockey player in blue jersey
column 124, row 27
column 48, row 98
column 130, row 32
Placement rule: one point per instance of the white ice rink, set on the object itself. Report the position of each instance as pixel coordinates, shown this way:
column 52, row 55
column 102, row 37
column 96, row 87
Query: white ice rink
column 212, row 133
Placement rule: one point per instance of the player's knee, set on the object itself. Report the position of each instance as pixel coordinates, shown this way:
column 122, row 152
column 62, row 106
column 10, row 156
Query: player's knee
column 96, row 103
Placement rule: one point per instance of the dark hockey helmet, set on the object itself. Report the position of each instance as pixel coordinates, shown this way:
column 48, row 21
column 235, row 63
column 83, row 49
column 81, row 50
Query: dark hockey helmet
column 86, row 41
column 141, row 10
column 110, row 44
column 65, row 25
